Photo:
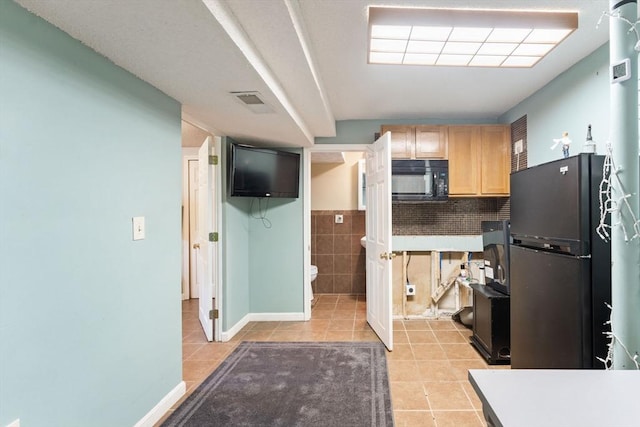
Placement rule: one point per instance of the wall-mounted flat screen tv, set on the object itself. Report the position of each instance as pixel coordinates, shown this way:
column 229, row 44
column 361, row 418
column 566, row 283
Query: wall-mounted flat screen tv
column 262, row 172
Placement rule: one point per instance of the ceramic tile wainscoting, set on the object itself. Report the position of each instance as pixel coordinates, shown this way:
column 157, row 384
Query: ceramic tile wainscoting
column 337, row 252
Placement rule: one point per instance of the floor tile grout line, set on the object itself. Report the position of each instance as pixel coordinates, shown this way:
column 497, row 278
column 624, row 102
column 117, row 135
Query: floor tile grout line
column 324, row 331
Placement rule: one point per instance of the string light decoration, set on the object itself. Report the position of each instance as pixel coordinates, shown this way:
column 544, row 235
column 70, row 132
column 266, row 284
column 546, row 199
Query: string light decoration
column 615, row 207
column 610, row 206
column 632, row 25
column 613, row 338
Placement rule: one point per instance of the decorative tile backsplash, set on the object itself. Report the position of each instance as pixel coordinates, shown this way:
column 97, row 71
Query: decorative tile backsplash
column 337, row 252
column 453, row 217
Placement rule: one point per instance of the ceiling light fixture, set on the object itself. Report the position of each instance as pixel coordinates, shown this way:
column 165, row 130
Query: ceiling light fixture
column 464, row 37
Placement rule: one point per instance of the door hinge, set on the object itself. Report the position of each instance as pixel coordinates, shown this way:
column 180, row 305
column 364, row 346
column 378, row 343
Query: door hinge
column 213, row 314
column 213, row 160
column 213, row 237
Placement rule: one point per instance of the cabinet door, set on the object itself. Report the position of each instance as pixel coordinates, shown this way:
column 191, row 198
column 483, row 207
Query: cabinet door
column 495, row 160
column 464, row 161
column 431, row 142
column 402, row 140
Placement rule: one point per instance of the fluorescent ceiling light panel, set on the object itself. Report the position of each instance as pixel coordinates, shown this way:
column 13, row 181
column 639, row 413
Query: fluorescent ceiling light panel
column 431, row 33
column 521, row 61
column 487, row 61
column 416, row 46
column 385, row 58
column 463, row 34
column 454, row 60
column 531, row 49
column 508, row 35
column 497, row 48
column 465, row 37
column 390, row 31
column 420, row 58
column 547, row 36
column 384, row 45
column 461, row 48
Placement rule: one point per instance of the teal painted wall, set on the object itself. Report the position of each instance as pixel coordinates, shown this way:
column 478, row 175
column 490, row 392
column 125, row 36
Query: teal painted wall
column 90, row 321
column 235, row 251
column 262, row 267
column 276, row 254
column 573, row 100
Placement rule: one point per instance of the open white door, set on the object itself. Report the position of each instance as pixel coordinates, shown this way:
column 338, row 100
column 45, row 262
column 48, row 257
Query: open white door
column 206, row 228
column 378, row 251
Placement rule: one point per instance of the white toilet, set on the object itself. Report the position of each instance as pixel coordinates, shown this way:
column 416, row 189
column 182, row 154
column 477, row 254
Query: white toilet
column 314, row 273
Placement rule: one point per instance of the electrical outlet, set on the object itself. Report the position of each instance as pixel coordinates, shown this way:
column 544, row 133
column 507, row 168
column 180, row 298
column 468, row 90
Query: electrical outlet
column 411, row 289
column 518, row 147
column 339, row 219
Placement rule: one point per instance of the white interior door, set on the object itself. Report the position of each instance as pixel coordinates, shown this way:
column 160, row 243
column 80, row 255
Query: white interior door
column 206, row 249
column 195, row 273
column 378, row 251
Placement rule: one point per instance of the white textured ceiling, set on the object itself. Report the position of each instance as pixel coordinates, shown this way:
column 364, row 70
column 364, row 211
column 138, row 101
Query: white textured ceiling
column 307, row 58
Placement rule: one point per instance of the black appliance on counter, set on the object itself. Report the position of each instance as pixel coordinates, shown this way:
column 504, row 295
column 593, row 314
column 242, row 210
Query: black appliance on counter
column 491, row 302
column 419, row 180
column 496, row 238
column 560, row 271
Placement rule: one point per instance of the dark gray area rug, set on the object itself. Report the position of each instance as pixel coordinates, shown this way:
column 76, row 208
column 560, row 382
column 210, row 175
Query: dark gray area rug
column 293, row 384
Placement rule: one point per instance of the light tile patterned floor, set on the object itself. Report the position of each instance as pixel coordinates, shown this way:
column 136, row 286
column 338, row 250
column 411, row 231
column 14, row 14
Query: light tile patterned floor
column 427, row 368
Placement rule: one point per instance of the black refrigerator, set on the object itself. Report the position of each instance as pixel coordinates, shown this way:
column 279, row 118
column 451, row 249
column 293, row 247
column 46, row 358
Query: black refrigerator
column 560, row 269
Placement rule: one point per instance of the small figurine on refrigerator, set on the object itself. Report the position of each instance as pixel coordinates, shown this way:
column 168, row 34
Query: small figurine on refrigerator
column 565, row 141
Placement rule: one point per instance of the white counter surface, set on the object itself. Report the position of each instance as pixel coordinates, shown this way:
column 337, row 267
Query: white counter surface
column 437, row 243
column 567, row 398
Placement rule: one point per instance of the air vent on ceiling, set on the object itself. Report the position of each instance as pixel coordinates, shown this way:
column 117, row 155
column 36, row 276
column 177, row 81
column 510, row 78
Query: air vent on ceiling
column 253, row 101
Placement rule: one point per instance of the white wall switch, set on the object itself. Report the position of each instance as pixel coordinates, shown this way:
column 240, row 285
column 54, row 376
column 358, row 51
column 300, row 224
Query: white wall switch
column 339, row 219
column 138, row 228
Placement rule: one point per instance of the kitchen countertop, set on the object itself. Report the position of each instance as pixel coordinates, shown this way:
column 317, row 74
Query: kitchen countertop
column 469, row 243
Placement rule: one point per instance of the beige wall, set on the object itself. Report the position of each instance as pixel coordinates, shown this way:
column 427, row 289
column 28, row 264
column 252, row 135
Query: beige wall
column 334, row 186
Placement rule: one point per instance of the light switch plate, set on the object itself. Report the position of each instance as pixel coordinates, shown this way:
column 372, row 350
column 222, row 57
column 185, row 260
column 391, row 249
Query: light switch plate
column 138, row 228
column 518, row 147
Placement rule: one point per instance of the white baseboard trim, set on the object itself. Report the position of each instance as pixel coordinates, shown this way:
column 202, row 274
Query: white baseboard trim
column 227, row 335
column 260, row 317
column 158, row 411
column 277, row 317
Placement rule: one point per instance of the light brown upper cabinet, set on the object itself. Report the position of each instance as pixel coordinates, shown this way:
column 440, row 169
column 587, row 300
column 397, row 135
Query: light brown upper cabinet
column 479, row 160
column 417, row 141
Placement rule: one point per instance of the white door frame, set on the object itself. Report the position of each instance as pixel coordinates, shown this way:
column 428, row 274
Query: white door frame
column 306, row 156
column 191, row 153
column 186, row 224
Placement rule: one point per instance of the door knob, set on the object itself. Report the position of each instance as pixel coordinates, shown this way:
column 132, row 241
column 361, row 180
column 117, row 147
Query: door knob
column 388, row 256
column 196, row 246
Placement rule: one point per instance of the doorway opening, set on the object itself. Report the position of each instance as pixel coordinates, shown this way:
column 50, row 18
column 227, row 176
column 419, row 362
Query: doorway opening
column 200, row 224
column 337, row 225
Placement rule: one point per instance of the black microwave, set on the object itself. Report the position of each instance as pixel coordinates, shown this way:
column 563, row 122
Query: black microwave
column 419, row 180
